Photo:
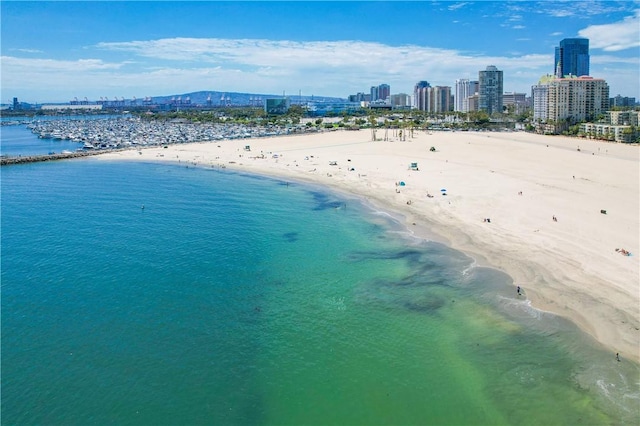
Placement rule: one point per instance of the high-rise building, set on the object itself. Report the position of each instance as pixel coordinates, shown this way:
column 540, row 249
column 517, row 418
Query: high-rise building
column 419, row 95
column 572, row 57
column 384, row 91
column 490, row 88
column 380, row 93
column 374, row 93
column 464, row 89
column 433, row 99
column 540, row 95
column 569, row 100
column 577, row 98
column 441, row 96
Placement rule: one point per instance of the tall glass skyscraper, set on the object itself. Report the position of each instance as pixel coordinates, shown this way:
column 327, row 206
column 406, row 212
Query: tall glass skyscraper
column 572, row 57
column 490, row 90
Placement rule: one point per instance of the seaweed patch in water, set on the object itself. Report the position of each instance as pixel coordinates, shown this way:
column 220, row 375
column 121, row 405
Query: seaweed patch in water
column 290, row 237
column 323, row 202
column 358, row 256
column 427, row 305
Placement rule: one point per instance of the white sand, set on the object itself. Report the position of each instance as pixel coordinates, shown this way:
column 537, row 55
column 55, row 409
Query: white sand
column 569, row 267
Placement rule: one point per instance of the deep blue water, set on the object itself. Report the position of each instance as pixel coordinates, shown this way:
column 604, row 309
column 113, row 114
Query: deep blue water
column 243, row 300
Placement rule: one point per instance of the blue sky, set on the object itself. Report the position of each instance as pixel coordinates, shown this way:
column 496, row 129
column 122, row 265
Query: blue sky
column 55, row 51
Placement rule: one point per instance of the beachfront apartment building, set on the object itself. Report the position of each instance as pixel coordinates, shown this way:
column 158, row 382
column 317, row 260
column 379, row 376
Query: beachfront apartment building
column 540, row 95
column 490, row 89
column 624, row 118
column 610, row 132
column 572, row 57
column 620, row 126
column 463, row 89
column 569, row 100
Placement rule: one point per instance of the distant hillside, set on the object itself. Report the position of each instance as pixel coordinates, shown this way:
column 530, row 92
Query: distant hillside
column 216, row 98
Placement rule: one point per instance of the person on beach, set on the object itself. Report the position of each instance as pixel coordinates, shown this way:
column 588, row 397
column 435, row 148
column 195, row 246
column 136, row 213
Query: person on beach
column 518, row 290
column 617, row 356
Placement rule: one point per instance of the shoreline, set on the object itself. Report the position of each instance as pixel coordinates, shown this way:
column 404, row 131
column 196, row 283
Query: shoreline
column 520, row 181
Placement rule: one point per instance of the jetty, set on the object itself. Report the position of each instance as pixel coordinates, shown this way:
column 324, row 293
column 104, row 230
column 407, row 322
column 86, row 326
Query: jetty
column 6, row 161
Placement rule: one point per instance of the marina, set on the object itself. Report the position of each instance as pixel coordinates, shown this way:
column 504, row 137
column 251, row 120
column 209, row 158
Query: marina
column 125, row 132
column 94, row 136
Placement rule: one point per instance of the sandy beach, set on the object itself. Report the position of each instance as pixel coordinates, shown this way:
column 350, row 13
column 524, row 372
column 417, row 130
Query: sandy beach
column 560, row 209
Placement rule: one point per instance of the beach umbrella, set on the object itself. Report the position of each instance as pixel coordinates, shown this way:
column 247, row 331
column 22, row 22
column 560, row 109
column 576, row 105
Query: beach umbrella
column 401, row 183
column 443, row 190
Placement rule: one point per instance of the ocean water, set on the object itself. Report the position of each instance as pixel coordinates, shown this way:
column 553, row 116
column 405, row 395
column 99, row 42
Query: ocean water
column 235, row 299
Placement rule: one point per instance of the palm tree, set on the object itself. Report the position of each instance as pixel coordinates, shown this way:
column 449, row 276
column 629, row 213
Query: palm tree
column 373, row 122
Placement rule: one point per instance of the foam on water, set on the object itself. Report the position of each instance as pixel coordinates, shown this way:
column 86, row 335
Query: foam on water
column 522, row 306
column 466, row 271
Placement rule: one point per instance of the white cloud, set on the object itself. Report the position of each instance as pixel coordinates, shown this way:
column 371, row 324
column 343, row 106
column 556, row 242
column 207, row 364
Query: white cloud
column 457, row 6
column 329, row 68
column 27, row 50
column 578, row 8
column 301, row 56
column 616, row 36
column 11, row 64
column 610, row 59
column 56, row 80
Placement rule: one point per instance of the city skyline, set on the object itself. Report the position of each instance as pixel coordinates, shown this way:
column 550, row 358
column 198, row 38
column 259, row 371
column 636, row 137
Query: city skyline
column 55, row 51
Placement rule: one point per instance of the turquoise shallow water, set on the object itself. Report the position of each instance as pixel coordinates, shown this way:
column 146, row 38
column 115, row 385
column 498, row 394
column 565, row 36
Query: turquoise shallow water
column 232, row 299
